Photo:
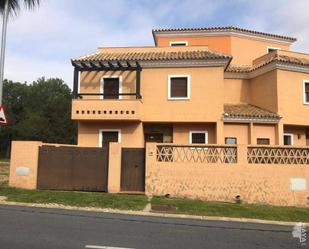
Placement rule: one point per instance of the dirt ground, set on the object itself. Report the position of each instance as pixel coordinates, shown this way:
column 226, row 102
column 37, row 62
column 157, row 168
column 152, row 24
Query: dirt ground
column 4, row 172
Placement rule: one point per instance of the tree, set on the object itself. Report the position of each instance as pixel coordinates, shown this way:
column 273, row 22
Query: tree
column 40, row 111
column 10, row 7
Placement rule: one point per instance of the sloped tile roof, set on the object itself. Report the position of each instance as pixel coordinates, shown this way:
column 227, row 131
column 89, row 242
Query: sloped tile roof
column 248, row 111
column 238, row 69
column 225, row 29
column 152, row 56
column 275, row 57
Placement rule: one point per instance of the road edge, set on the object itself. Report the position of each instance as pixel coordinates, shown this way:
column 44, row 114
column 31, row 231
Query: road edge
column 149, row 213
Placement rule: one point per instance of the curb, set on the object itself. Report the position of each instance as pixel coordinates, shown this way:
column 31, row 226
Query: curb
column 152, row 214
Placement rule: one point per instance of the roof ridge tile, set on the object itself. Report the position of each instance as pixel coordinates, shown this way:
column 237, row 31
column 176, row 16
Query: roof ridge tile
column 223, row 28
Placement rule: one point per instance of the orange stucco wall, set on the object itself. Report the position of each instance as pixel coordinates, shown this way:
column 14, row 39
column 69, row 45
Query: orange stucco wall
column 263, row 92
column 24, row 154
column 24, row 158
column 131, row 133
column 291, row 99
column 273, row 91
column 243, row 49
column 181, row 132
column 278, row 91
column 218, row 44
column 254, row 183
column 264, row 131
column 240, row 131
column 236, row 91
column 90, row 82
column 299, row 134
column 206, row 86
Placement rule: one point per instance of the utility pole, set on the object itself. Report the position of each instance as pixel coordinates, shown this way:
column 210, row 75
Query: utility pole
column 3, row 41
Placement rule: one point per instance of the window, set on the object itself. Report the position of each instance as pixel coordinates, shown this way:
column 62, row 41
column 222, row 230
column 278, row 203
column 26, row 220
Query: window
column 179, row 87
column 106, row 136
column 230, row 140
column 198, row 137
column 178, row 43
column 110, row 87
column 288, row 139
column 307, row 136
column 306, row 92
column 272, row 49
column 263, row 141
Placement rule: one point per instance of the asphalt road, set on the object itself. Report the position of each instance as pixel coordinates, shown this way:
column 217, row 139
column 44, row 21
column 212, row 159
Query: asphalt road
column 38, row 228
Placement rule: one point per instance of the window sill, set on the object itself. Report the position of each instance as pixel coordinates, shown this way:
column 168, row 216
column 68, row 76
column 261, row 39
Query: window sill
column 178, row 99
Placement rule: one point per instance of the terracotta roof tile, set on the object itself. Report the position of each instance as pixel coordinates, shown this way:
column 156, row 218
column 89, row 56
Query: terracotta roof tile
column 238, row 69
column 273, row 58
column 152, row 56
column 225, row 29
column 248, row 111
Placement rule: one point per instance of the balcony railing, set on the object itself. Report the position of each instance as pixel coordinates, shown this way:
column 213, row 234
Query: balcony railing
column 104, row 95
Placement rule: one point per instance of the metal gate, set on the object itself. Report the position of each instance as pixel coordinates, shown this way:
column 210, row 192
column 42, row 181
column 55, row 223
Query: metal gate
column 72, row 168
column 133, row 169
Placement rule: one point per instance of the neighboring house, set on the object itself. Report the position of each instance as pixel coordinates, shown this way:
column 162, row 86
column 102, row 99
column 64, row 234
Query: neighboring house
column 222, row 85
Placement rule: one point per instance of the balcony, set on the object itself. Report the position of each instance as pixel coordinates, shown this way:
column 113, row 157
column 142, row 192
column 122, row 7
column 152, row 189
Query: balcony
column 106, row 109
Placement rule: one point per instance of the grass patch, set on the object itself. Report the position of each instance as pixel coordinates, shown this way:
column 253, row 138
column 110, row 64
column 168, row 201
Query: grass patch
column 79, row 199
column 4, row 172
column 266, row 212
column 138, row 202
column 4, row 161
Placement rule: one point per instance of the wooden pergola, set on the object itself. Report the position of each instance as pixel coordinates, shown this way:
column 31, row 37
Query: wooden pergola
column 98, row 66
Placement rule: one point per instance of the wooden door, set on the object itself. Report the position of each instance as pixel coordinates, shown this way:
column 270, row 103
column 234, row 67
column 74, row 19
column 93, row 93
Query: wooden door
column 133, row 169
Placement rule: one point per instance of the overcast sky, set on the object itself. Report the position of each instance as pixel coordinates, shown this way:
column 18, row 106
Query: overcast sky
column 42, row 42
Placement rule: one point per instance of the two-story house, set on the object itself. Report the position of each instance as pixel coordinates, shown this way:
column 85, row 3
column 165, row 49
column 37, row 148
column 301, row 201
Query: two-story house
column 223, row 85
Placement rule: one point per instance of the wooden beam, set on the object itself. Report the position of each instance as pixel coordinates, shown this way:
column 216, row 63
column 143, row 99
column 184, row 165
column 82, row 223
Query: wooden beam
column 85, row 65
column 75, row 82
column 103, row 66
column 76, row 64
column 120, row 65
column 138, row 66
column 138, row 84
column 95, row 65
column 110, row 64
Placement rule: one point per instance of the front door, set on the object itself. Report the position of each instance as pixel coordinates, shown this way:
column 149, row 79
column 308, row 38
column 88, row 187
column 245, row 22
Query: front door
column 154, row 137
column 111, row 88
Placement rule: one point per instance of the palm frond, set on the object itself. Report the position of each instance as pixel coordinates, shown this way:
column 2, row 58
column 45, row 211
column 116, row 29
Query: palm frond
column 16, row 5
column 31, row 4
